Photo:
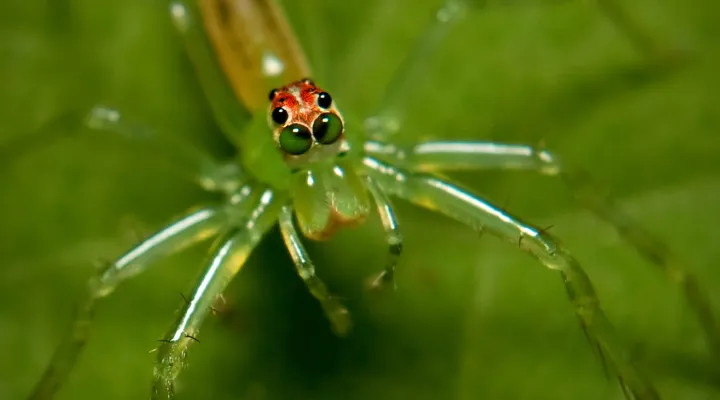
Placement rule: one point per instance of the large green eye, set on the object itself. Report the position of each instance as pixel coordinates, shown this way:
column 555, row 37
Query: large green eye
column 327, row 128
column 295, row 139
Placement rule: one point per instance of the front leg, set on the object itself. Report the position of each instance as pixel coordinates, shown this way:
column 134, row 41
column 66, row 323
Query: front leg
column 336, row 313
column 476, row 155
column 393, row 236
column 108, row 123
column 229, row 254
column 456, row 203
column 195, row 226
column 464, row 156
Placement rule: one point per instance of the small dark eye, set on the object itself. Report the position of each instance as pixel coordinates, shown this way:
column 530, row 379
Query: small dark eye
column 327, row 128
column 272, row 94
column 279, row 115
column 324, row 100
column 295, row 139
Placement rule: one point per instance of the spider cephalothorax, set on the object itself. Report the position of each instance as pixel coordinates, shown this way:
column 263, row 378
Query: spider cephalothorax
column 307, row 127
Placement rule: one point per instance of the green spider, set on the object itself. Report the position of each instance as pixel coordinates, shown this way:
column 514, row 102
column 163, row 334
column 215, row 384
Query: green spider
column 304, row 166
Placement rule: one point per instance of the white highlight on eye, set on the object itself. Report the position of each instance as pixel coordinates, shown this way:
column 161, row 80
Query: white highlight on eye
column 272, row 66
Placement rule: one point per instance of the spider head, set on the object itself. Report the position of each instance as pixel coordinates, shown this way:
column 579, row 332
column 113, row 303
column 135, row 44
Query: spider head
column 306, row 125
column 309, row 132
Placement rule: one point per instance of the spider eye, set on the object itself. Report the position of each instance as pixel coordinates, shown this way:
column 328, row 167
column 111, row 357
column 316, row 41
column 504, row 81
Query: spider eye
column 272, row 94
column 295, row 139
column 308, row 81
column 279, row 115
column 324, row 100
column 327, row 128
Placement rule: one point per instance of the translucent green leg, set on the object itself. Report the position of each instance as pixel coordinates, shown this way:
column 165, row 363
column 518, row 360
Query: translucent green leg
column 653, row 249
column 192, row 162
column 464, row 155
column 189, row 161
column 392, row 236
column 438, row 195
column 229, row 254
column 390, row 113
column 454, row 156
column 389, row 117
column 334, row 310
column 191, row 228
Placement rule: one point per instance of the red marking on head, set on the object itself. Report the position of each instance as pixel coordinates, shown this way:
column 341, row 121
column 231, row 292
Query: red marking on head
column 308, row 94
column 299, row 98
column 284, row 99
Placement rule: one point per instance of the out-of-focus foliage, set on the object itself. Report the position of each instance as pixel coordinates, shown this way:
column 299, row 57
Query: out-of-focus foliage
column 473, row 318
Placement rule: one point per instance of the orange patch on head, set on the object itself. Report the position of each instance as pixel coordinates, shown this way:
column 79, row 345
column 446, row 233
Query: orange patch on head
column 285, row 99
column 307, row 95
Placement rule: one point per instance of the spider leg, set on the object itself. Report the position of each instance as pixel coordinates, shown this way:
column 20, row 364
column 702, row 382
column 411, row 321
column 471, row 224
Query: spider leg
column 180, row 155
column 334, row 310
column 475, row 155
column 653, row 249
column 185, row 231
column 438, row 195
column 192, row 162
column 393, row 237
column 464, row 155
column 389, row 116
column 229, row 253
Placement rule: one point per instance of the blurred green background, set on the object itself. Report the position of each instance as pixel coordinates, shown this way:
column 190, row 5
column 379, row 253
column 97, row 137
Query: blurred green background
column 473, row 317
